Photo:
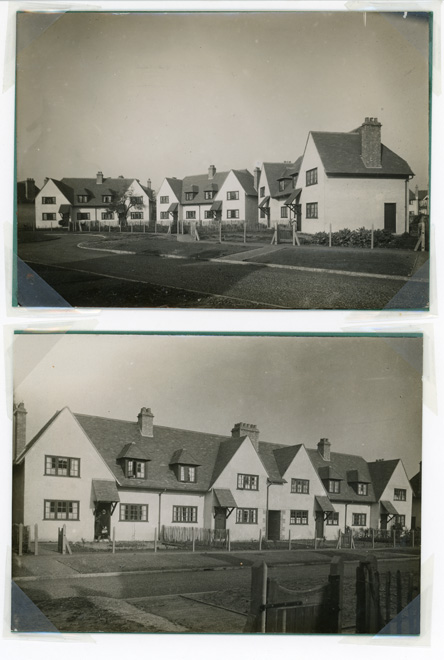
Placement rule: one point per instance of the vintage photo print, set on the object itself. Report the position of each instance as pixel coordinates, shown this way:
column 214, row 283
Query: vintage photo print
column 217, row 484
column 229, row 160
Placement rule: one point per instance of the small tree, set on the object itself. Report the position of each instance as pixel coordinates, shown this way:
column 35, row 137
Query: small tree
column 123, row 204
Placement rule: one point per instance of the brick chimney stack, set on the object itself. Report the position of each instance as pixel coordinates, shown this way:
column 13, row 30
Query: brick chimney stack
column 211, row 172
column 19, row 429
column 371, row 142
column 324, row 448
column 30, row 190
column 241, row 429
column 256, row 175
column 145, row 421
column 148, row 183
column 99, row 179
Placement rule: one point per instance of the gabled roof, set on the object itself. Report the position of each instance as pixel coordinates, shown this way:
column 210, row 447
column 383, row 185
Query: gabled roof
column 225, row 453
column 340, row 465
column 415, row 483
column 71, row 187
column 21, row 193
column 37, row 436
column 284, row 457
column 200, row 181
column 380, row 472
column 276, row 171
column 246, row 180
column 267, row 454
column 175, row 185
column 341, row 154
column 110, row 436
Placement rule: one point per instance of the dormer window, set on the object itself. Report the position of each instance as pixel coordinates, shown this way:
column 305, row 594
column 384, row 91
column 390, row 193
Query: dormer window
column 282, row 184
column 82, row 199
column 187, row 473
column 333, row 486
column 106, row 199
column 361, row 488
column 135, row 469
column 209, row 194
column 189, row 196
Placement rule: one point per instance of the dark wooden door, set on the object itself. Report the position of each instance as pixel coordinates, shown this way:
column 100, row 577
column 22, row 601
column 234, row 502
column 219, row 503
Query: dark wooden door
column 319, row 525
column 390, row 217
column 383, row 521
column 274, row 525
column 220, row 518
column 102, row 522
column 298, row 217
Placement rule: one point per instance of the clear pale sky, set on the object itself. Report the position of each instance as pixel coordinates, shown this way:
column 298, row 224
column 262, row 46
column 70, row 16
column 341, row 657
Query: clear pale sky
column 155, row 95
column 363, row 393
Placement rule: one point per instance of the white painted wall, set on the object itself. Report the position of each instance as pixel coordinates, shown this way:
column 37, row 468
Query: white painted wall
column 399, row 479
column 245, row 461
column 64, row 437
column 49, row 190
column 165, row 190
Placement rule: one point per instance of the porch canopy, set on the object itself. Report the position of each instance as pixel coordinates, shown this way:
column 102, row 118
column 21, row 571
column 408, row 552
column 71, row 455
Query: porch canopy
column 224, row 498
column 293, row 197
column 216, row 206
column 173, row 208
column 324, row 504
column 389, row 508
column 265, row 203
column 105, row 491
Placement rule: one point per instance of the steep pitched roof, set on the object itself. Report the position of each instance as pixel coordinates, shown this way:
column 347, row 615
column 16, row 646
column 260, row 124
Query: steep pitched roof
column 175, row 185
column 21, row 193
column 284, row 457
column 340, row 465
column 415, row 483
column 226, row 451
column 37, row 436
column 110, row 436
column 71, row 187
column 341, row 154
column 200, row 181
column 380, row 472
column 246, row 180
column 276, row 171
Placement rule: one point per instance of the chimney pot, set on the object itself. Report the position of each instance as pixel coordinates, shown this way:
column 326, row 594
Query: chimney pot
column 257, row 175
column 145, row 422
column 148, row 183
column 19, row 428
column 211, row 172
column 30, row 190
column 99, row 179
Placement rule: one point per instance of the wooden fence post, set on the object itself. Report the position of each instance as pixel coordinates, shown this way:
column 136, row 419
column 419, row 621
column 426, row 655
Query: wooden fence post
column 329, row 237
column 289, row 539
column 394, row 537
column 373, row 538
column 372, row 238
column 36, row 539
column 335, row 596
column 398, row 601
column 260, row 539
column 229, row 540
column 20, row 540
column 63, row 539
column 245, row 232
column 368, row 614
column 193, row 538
column 220, row 231
column 256, row 620
column 413, row 538
column 155, row 539
column 114, row 540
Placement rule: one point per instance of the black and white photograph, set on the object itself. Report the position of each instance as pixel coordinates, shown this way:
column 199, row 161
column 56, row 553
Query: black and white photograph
column 240, row 484
column 223, row 160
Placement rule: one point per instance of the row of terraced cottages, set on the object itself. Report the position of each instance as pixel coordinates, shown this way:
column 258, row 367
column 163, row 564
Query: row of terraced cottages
column 94, row 473
column 342, row 180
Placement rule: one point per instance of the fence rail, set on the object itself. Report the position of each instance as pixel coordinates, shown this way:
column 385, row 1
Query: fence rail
column 194, row 536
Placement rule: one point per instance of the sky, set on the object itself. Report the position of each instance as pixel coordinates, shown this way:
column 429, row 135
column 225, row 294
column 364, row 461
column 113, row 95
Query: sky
column 155, row 95
column 363, row 393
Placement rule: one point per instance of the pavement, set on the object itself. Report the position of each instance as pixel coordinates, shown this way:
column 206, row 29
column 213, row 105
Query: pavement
column 83, row 565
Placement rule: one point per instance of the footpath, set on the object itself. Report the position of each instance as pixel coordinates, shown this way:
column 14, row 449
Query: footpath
column 83, row 565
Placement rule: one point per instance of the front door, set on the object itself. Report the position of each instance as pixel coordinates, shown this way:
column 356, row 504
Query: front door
column 390, row 217
column 220, row 518
column 102, row 521
column 383, row 521
column 298, row 217
column 274, row 525
column 319, row 525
